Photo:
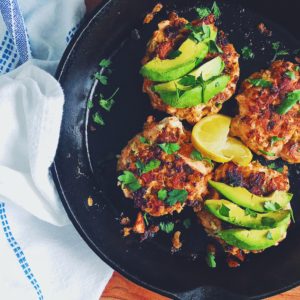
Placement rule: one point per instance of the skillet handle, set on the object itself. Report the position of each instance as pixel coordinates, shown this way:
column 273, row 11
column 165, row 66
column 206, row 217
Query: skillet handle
column 208, row 293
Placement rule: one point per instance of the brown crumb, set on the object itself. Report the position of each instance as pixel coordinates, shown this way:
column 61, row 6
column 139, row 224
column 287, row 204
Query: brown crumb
column 124, row 221
column 263, row 29
column 149, row 17
column 176, row 240
column 154, row 228
column 139, row 226
column 297, row 59
column 90, row 201
column 232, row 263
column 126, row 231
column 211, row 248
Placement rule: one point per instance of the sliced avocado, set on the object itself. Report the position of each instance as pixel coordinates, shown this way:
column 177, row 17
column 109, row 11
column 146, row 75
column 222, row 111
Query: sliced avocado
column 208, row 70
column 239, row 216
column 214, row 87
column 192, row 53
column 244, row 198
column 254, row 239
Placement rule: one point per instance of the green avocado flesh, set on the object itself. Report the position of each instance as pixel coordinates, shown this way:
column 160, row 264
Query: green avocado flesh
column 244, row 198
column 254, row 239
column 192, row 53
column 215, row 87
column 237, row 216
column 208, row 70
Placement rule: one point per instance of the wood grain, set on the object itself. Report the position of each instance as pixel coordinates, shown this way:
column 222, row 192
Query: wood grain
column 119, row 288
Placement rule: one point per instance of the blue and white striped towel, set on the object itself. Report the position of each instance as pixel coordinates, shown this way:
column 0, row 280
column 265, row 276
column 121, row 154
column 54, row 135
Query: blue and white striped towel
column 41, row 254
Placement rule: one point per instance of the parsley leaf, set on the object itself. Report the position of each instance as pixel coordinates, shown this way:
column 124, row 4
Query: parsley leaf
column 203, row 12
column 280, row 170
column 173, row 54
column 288, row 102
column 128, row 179
column 275, row 139
column 166, row 227
column 196, row 155
column 101, row 78
column 247, row 53
column 260, row 82
column 188, row 80
column 224, row 210
column 269, row 235
column 169, row 148
column 187, row 223
column 144, row 140
column 146, row 219
column 213, row 47
column 216, row 10
column 272, row 166
column 198, row 33
column 211, row 260
column 272, row 206
column 162, row 194
column 297, row 68
column 251, row 213
column 90, row 104
column 276, row 46
column 145, row 168
column 104, row 63
column 266, row 221
column 290, row 74
column 267, row 153
column 98, row 119
column 106, row 103
column 176, row 196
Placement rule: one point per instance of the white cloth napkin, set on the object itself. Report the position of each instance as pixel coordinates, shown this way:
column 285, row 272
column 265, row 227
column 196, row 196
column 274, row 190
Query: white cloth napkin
column 41, row 254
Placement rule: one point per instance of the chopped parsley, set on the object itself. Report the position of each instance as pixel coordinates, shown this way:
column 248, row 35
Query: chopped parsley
column 198, row 33
column 247, row 53
column 196, row 155
column 275, row 139
column 290, row 74
column 169, row 148
column 98, row 119
column 267, row 153
column 272, row 206
column 173, row 54
column 216, row 10
column 211, row 260
column 269, row 222
column 104, row 63
column 205, row 11
column 272, row 166
column 269, row 235
column 146, row 218
column 188, row 80
column 166, row 227
column 129, row 179
column 213, row 47
column 144, row 140
column 175, row 196
column 106, row 103
column 90, row 104
column 288, row 102
column 282, row 52
column 162, row 194
column 280, row 170
column 260, row 82
column 224, row 210
column 297, row 68
column 102, row 78
column 187, row 223
column 251, row 213
column 150, row 166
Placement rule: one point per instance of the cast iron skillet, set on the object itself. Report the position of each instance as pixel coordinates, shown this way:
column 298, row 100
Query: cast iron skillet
column 85, row 162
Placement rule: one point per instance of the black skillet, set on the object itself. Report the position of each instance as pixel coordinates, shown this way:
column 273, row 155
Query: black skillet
column 85, row 162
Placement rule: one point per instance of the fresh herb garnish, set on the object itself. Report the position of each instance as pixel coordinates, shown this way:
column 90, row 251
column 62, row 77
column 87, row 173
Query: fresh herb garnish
column 162, row 194
column 267, row 153
column 260, row 82
column 272, row 206
column 150, row 166
column 272, row 166
column 290, row 74
column 188, row 80
column 169, row 148
column 104, row 63
column 173, row 54
column 128, row 179
column 102, row 78
column 198, row 33
column 289, row 101
column 213, row 47
column 144, row 140
column 224, row 210
column 196, row 155
column 283, row 52
column 251, row 213
column 106, row 103
column 269, row 222
column 247, row 53
column 98, row 119
column 175, row 196
column 146, row 218
column 205, row 11
column 275, row 139
column 166, row 227
column 187, row 223
column 216, row 10
column 90, row 104
column 211, row 260
column 280, row 170
column 269, row 235
column 297, row 68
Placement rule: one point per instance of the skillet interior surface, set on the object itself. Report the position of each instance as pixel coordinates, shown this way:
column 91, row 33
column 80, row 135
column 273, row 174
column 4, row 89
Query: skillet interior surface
column 85, row 164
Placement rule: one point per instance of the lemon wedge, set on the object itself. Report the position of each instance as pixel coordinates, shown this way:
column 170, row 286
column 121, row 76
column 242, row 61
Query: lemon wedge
column 210, row 137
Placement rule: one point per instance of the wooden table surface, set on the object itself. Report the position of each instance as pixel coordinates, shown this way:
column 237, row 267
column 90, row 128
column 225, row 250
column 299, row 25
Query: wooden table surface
column 119, row 288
